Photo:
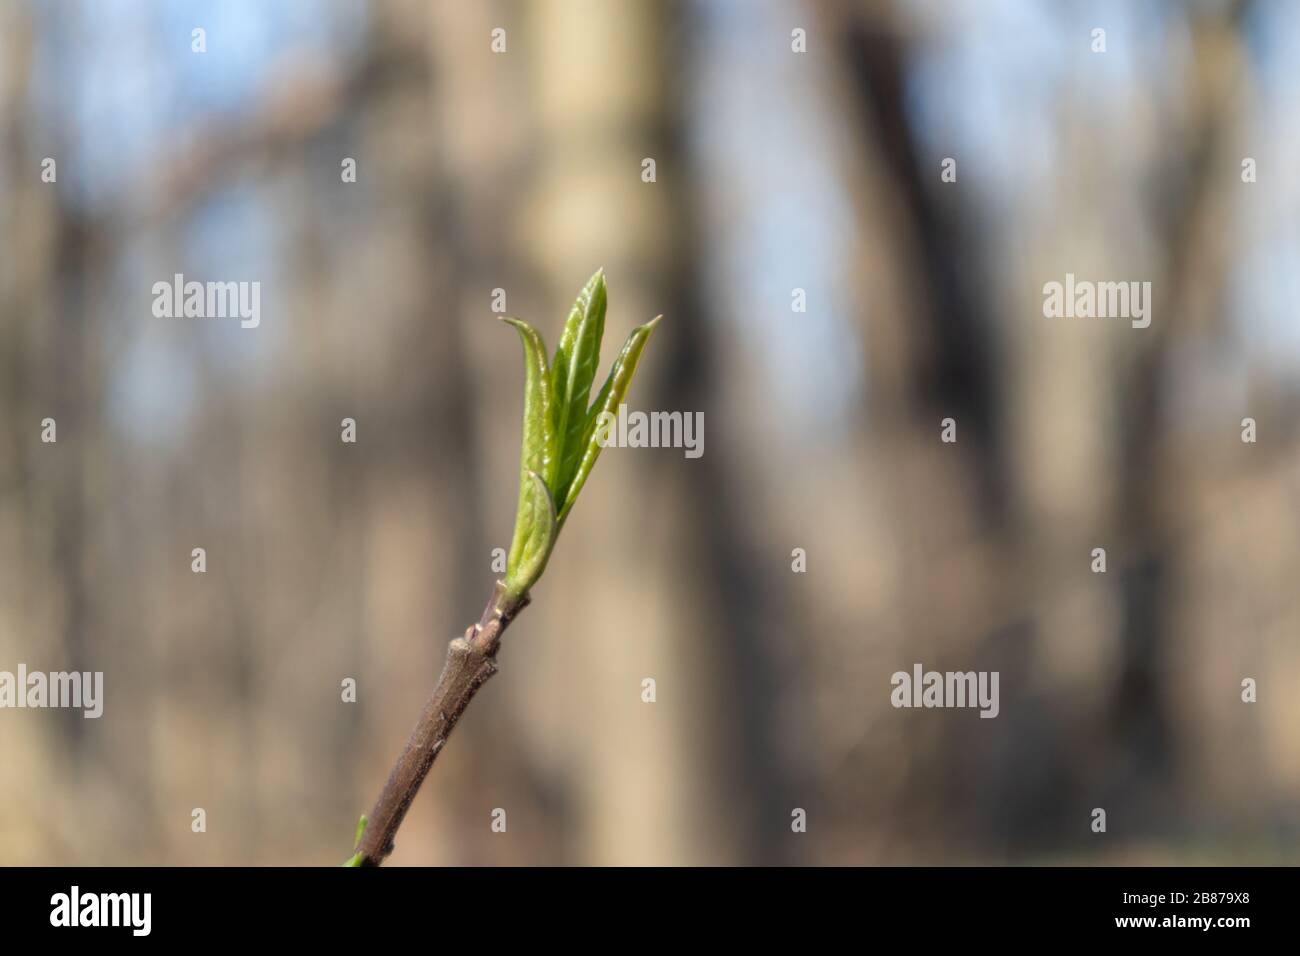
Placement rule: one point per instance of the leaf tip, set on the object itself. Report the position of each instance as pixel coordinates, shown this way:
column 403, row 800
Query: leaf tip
column 596, row 292
column 537, row 478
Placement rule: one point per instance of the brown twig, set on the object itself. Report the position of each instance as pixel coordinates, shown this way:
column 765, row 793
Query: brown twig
column 471, row 660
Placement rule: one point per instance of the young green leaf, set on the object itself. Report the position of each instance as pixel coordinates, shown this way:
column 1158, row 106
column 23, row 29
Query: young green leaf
column 576, row 357
column 537, row 519
column 539, row 445
column 607, row 401
column 355, row 859
column 538, row 454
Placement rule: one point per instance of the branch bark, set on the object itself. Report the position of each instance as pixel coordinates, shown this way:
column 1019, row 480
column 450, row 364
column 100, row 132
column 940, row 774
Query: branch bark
column 471, row 660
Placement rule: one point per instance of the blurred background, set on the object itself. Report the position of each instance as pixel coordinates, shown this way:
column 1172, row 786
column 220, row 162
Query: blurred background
column 775, row 171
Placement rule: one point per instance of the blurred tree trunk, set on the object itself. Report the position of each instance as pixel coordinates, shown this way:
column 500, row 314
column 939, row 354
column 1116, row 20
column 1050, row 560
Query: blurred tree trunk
column 674, row 781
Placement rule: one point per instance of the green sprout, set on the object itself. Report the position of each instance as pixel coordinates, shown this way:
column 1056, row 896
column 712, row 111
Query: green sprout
column 561, row 439
column 563, row 436
column 356, row 859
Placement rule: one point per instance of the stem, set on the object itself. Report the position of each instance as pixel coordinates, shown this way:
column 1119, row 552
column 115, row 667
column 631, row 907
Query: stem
column 471, row 660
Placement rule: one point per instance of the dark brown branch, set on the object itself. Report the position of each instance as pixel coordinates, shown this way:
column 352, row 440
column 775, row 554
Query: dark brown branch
column 471, row 660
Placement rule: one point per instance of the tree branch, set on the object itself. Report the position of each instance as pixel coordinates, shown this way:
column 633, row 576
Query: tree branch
column 471, row 660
